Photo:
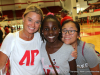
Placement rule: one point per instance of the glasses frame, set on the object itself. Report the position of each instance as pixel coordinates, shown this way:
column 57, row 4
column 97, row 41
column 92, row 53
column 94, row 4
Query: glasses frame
column 68, row 31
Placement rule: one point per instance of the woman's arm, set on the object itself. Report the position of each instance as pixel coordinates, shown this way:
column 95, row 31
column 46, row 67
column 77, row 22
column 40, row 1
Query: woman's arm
column 3, row 59
column 73, row 67
column 95, row 70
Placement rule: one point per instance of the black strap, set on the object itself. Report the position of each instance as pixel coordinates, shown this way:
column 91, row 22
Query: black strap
column 52, row 64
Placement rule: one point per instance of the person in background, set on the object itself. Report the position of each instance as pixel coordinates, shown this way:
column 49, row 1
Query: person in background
column 2, row 34
column 59, row 52
column 87, row 60
column 9, row 28
column 58, row 17
column 6, row 30
column 64, row 16
column 23, row 47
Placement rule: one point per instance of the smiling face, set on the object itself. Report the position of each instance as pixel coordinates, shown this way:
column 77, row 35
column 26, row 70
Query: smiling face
column 69, row 38
column 50, row 30
column 32, row 22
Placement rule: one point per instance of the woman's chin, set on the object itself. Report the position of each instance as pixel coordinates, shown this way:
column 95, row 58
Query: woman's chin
column 67, row 42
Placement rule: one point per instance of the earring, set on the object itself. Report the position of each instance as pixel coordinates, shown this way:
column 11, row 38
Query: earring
column 59, row 32
column 42, row 33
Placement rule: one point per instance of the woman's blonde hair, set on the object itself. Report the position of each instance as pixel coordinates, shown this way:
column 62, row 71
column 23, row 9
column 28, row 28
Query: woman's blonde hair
column 33, row 8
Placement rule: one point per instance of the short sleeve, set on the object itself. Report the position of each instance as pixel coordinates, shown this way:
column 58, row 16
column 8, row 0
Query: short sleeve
column 90, row 56
column 70, row 56
column 6, row 45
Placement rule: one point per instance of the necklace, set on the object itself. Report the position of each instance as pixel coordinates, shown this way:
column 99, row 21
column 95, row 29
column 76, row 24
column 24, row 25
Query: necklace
column 27, row 36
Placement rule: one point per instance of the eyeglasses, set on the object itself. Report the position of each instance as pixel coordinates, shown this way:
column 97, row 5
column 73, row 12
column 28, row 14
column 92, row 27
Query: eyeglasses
column 70, row 32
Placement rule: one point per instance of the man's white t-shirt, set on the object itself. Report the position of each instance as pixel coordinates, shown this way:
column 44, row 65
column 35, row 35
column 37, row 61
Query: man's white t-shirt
column 24, row 55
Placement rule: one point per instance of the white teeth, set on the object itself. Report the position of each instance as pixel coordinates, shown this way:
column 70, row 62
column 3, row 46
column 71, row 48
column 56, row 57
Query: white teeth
column 31, row 28
column 67, row 38
column 51, row 37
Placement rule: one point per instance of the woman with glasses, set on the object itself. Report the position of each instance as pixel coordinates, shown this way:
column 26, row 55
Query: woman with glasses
column 87, row 60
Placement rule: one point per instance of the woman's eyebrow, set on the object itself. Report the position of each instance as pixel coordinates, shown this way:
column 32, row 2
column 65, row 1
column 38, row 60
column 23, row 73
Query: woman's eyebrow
column 37, row 20
column 29, row 17
column 71, row 27
column 45, row 26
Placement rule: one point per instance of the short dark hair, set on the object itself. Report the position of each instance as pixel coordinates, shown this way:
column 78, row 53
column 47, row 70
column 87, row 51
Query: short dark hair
column 64, row 11
column 51, row 17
